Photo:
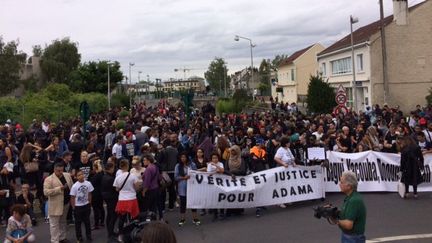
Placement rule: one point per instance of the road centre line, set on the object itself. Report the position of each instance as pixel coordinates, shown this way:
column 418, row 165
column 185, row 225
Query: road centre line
column 400, row 237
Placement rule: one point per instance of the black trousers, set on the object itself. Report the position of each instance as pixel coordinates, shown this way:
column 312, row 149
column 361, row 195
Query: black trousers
column 183, row 205
column 111, row 216
column 151, row 200
column 172, row 195
column 82, row 215
column 98, row 211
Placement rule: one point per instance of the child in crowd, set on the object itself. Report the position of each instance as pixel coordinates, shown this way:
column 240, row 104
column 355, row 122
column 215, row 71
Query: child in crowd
column 80, row 201
column 26, row 198
column 19, row 227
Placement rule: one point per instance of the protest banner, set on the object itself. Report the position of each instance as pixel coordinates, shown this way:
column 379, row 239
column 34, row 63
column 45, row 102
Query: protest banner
column 270, row 187
column 376, row 172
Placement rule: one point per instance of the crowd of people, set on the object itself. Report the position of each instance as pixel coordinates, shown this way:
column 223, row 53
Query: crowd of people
column 138, row 162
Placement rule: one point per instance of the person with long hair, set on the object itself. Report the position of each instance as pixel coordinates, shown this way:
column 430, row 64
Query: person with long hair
column 158, row 232
column 181, row 176
column 97, row 201
column 412, row 162
column 127, row 205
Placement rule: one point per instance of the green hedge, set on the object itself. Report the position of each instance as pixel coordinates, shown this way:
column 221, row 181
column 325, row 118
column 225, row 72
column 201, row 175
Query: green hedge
column 56, row 102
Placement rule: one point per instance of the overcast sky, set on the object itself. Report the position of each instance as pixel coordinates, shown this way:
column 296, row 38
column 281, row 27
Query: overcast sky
column 161, row 35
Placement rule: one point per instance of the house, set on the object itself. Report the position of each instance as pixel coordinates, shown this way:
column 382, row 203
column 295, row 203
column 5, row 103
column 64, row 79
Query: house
column 240, row 79
column 196, row 83
column 294, row 73
column 409, row 59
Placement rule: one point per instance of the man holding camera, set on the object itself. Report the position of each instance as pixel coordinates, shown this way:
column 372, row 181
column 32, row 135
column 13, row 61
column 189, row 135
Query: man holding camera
column 352, row 217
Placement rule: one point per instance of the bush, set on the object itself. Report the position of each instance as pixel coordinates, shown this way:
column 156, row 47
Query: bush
column 56, row 102
column 229, row 106
column 120, row 99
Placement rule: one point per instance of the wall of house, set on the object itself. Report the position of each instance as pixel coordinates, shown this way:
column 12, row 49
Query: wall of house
column 289, row 86
column 362, row 76
column 305, row 66
column 409, row 58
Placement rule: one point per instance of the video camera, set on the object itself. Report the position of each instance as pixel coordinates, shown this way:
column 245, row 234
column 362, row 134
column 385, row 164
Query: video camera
column 327, row 211
column 132, row 230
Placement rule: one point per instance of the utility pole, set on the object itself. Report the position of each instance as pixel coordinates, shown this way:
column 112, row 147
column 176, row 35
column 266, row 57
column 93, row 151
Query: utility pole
column 225, row 81
column 384, row 53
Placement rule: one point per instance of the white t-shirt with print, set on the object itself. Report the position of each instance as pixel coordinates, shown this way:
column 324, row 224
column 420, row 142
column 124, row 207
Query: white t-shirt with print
column 80, row 190
column 212, row 168
column 128, row 191
column 285, row 155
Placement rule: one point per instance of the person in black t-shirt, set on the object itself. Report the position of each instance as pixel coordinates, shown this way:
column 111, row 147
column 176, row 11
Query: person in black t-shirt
column 390, row 139
column 85, row 165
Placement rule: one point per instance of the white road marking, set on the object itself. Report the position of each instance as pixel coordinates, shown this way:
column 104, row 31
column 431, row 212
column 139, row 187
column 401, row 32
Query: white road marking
column 400, row 237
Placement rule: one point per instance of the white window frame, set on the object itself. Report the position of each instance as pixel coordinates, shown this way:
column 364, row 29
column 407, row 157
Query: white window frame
column 341, row 66
column 360, row 64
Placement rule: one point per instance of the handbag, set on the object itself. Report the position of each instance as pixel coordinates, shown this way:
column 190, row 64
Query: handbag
column 31, row 167
column 164, row 180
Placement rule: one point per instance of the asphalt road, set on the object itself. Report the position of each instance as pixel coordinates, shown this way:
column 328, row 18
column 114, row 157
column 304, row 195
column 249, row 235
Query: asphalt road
column 388, row 215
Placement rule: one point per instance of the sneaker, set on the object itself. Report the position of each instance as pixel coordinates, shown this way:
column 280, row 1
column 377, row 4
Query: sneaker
column 258, row 213
column 181, row 222
column 196, row 222
column 282, row 205
column 120, row 238
column 71, row 222
column 203, row 212
column 170, row 209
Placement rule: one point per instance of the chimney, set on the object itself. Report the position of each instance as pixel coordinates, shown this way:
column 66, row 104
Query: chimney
column 400, row 12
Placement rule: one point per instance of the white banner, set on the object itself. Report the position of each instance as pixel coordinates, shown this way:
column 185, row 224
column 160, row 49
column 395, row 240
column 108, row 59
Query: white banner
column 270, row 187
column 375, row 171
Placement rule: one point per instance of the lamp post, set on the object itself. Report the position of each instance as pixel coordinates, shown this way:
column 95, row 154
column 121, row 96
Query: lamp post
column 353, row 20
column 237, row 38
column 139, row 86
column 109, row 86
column 130, row 84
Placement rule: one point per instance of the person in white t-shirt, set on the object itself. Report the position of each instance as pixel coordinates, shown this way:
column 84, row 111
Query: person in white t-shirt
column 214, row 166
column 284, row 157
column 80, row 201
column 117, row 149
column 126, row 184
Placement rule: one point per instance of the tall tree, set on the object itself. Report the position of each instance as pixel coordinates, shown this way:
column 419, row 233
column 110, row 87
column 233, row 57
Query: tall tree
column 216, row 75
column 320, row 96
column 59, row 59
column 264, row 74
column 277, row 60
column 93, row 77
column 10, row 66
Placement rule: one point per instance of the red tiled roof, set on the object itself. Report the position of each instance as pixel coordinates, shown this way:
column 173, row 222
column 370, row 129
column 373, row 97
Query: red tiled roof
column 294, row 56
column 362, row 34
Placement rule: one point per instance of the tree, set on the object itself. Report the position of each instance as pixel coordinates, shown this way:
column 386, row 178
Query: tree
column 59, row 59
column 93, row 77
column 277, row 60
column 215, row 75
column 320, row 96
column 264, row 73
column 10, row 65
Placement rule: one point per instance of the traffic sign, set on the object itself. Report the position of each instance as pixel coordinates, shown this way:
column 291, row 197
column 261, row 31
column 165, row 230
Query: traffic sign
column 340, row 108
column 341, row 89
column 341, row 99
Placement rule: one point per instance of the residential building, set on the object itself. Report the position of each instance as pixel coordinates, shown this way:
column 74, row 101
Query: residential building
column 240, row 78
column 409, row 59
column 294, row 73
column 194, row 82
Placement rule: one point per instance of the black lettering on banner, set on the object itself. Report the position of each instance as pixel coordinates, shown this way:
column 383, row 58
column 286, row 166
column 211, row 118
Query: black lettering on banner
column 388, row 172
column 365, row 171
column 199, row 178
column 304, row 174
column 221, row 197
column 219, row 181
column 293, row 192
column 427, row 174
column 275, row 194
column 234, row 181
column 295, row 174
column 256, row 179
column 210, row 180
column 242, row 181
column 334, row 172
column 264, row 177
column 301, row 189
column 313, row 174
column 240, row 197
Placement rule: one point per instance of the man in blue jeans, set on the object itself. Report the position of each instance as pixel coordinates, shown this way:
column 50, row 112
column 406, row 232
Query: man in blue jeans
column 352, row 217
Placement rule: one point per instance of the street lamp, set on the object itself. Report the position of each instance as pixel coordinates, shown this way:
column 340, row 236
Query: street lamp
column 237, row 38
column 138, row 86
column 353, row 20
column 109, row 86
column 130, row 84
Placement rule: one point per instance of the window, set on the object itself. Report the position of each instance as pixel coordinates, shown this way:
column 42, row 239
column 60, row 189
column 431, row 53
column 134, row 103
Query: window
column 292, row 75
column 323, row 69
column 359, row 63
column 341, row 66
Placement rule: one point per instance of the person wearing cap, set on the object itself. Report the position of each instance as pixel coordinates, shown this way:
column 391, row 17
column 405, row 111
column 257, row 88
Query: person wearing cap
column 57, row 188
